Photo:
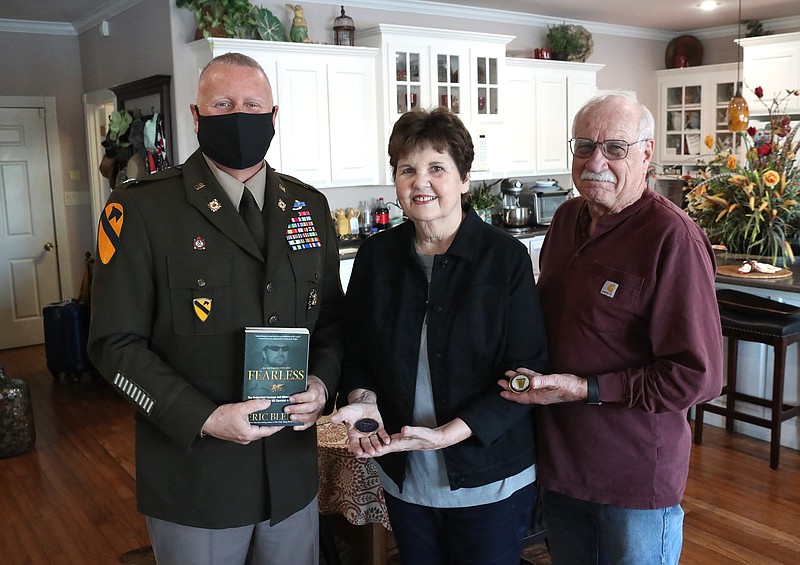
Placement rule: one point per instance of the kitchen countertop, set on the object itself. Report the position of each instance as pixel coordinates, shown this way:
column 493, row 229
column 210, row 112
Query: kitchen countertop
column 788, row 284
column 348, row 248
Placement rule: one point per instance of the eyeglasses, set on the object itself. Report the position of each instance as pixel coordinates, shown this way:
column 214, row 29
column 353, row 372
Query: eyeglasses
column 613, row 149
column 278, row 348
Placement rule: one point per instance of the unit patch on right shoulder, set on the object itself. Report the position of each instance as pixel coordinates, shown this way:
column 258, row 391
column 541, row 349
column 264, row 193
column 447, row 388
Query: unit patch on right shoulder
column 109, row 231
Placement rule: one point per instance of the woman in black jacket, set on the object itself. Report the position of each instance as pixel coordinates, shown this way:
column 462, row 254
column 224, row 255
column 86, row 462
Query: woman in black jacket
column 439, row 308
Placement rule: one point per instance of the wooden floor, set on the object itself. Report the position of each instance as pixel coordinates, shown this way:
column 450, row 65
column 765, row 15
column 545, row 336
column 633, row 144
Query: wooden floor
column 71, row 500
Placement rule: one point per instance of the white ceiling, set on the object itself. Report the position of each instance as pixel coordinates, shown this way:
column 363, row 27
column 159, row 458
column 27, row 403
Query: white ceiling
column 664, row 15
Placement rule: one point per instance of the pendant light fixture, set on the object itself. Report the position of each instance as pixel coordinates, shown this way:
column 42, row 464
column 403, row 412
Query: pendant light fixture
column 738, row 112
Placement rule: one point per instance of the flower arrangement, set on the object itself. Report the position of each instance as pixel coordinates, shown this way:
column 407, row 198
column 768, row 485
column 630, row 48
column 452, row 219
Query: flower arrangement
column 752, row 205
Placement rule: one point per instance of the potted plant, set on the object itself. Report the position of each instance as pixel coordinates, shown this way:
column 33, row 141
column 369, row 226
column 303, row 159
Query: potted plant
column 569, row 42
column 483, row 200
column 233, row 18
column 208, row 16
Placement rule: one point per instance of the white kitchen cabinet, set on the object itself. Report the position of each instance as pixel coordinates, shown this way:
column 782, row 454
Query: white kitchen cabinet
column 534, row 245
column 543, row 97
column 693, row 104
column 773, row 63
column 345, row 270
column 326, row 133
column 425, row 68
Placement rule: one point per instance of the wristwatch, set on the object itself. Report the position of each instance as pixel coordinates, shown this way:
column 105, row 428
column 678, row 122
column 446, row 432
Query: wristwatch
column 592, row 391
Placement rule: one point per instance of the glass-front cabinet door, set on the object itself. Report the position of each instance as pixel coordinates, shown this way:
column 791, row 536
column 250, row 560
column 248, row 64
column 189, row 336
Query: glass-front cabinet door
column 408, row 81
column 724, row 91
column 486, row 102
column 693, row 103
column 448, row 82
column 684, row 116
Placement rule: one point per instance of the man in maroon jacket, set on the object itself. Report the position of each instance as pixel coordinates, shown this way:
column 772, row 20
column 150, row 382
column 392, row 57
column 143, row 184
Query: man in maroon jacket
column 627, row 291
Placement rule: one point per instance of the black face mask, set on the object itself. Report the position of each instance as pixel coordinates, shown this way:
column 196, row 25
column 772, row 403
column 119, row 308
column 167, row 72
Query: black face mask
column 237, row 141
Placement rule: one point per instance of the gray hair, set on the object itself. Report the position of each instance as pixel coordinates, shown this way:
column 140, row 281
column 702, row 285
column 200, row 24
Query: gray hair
column 647, row 124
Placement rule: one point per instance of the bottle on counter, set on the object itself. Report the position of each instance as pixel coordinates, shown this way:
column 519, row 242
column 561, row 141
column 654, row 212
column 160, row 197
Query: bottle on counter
column 380, row 215
column 365, row 219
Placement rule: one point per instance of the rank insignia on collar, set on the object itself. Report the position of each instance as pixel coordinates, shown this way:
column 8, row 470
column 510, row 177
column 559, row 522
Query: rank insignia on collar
column 281, row 204
column 283, row 188
column 312, row 298
column 199, row 185
column 109, row 231
column 214, row 205
column 298, row 205
column 199, row 243
column 202, row 308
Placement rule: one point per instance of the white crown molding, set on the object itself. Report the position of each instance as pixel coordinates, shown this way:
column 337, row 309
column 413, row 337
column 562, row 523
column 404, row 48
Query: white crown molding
column 104, row 12
column 776, row 25
column 499, row 16
column 505, row 16
column 30, row 26
column 90, row 20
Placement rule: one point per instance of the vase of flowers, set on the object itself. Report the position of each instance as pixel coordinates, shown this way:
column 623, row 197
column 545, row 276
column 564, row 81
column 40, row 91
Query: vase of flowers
column 751, row 204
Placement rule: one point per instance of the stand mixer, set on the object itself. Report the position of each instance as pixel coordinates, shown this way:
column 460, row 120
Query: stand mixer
column 515, row 216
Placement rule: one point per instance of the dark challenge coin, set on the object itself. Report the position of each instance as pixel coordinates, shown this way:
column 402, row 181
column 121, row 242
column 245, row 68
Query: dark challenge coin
column 366, row 425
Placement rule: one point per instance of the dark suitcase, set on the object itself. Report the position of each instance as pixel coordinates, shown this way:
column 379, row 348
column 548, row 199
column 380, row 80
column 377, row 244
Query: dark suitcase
column 66, row 332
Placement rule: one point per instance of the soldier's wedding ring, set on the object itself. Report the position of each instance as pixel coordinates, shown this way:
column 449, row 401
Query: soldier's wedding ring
column 520, row 383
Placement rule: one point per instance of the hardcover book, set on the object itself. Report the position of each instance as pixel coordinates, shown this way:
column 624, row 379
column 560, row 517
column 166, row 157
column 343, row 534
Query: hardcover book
column 275, row 367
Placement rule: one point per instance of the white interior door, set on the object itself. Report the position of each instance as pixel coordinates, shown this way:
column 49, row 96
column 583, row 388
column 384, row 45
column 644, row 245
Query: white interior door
column 28, row 256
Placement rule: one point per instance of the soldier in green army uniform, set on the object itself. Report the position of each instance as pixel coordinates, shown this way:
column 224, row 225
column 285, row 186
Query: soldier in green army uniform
column 180, row 275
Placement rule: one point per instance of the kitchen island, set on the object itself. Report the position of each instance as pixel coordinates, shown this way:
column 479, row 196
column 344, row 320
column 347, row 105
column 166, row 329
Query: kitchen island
column 755, row 360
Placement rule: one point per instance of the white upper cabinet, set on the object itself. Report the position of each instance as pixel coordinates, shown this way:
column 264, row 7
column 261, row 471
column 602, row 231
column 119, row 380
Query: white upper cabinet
column 425, row 68
column 327, row 127
column 543, row 97
column 693, row 104
column 773, row 63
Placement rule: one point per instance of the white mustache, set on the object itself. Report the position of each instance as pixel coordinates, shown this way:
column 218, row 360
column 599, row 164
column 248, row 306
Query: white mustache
column 604, row 176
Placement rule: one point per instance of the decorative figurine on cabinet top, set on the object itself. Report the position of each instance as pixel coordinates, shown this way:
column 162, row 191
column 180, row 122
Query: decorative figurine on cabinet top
column 299, row 30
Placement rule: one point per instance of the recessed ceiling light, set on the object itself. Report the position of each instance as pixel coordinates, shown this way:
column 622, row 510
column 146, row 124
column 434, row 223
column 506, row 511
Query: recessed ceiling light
column 708, row 5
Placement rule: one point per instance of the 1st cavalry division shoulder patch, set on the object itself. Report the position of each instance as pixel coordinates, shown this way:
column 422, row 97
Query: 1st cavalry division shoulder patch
column 109, row 230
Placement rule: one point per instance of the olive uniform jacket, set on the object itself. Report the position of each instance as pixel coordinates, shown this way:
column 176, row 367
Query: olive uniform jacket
column 178, row 279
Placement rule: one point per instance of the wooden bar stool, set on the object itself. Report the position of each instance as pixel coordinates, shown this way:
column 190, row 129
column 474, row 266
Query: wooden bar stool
column 747, row 317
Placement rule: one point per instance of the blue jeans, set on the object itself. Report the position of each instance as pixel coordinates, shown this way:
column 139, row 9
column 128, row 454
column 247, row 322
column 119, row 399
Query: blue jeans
column 488, row 534
column 587, row 533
